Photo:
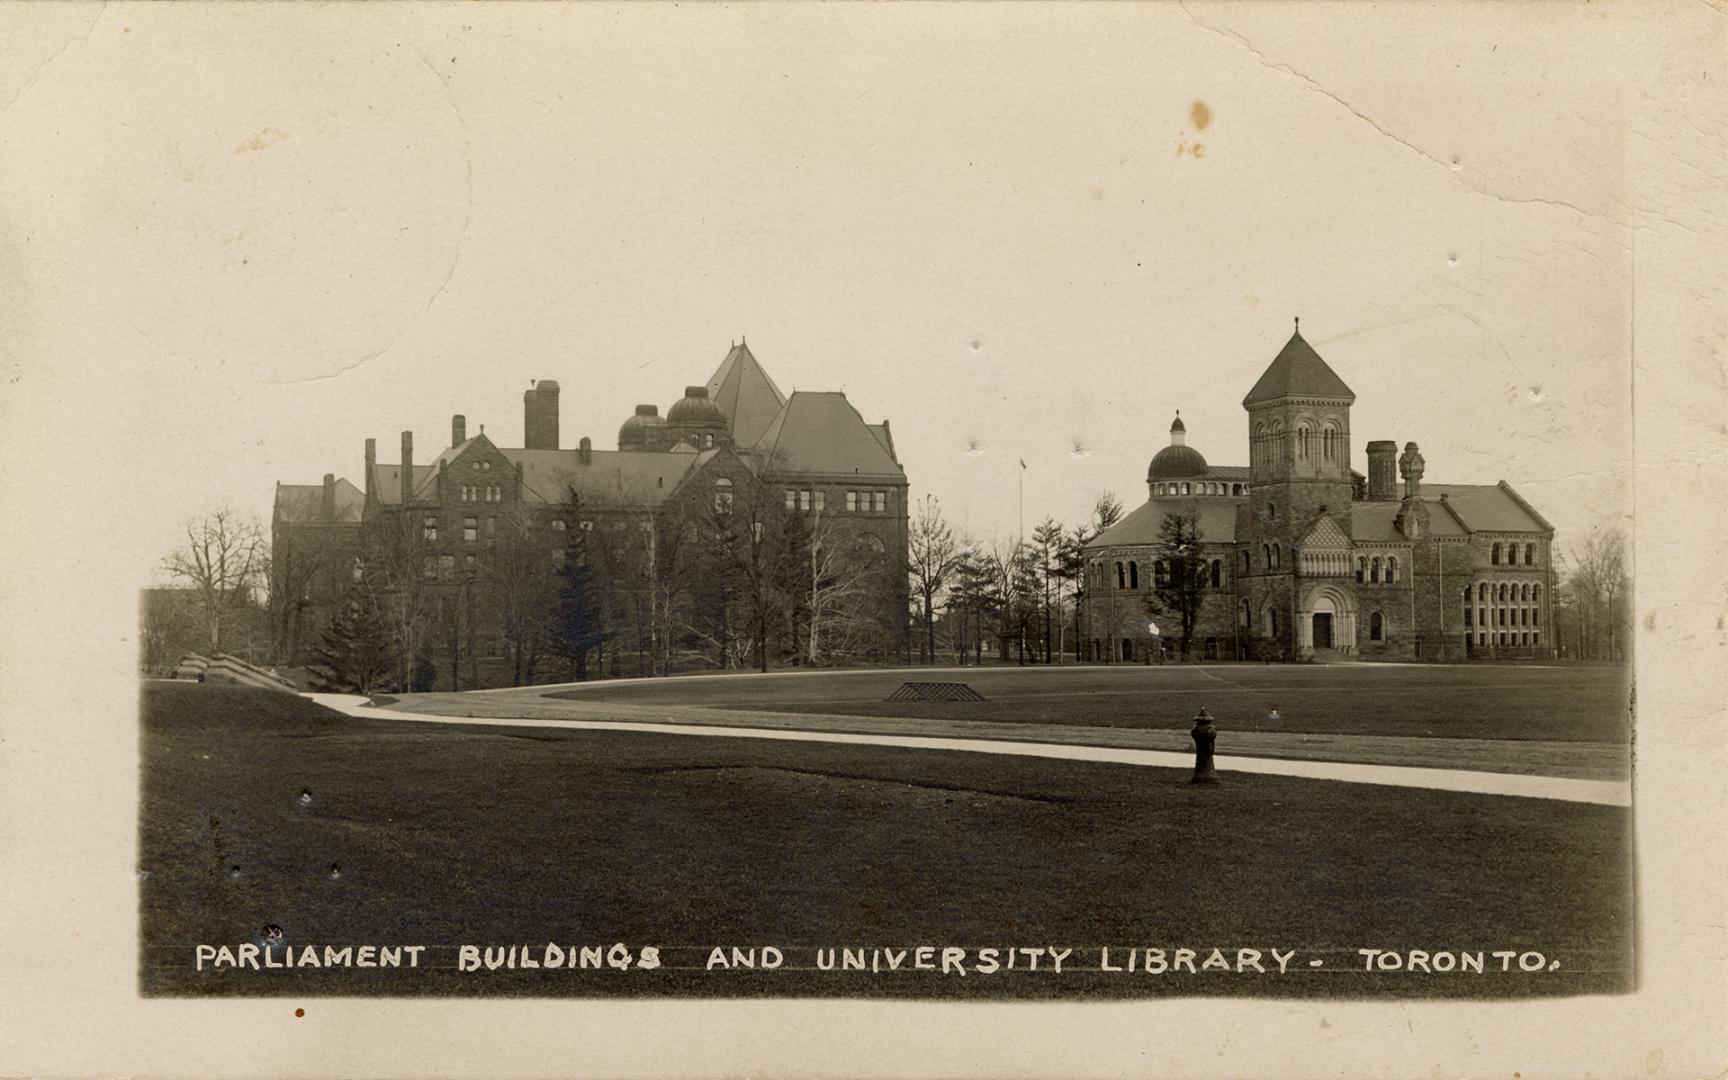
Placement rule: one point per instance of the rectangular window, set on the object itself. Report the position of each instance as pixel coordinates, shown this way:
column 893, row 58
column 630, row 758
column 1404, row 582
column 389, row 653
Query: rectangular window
column 1535, row 616
column 804, row 499
column 791, row 499
column 558, row 525
column 851, row 502
column 1467, row 620
column 429, row 566
column 881, row 498
column 470, row 528
column 446, row 566
column 429, row 529
column 491, row 527
column 821, row 500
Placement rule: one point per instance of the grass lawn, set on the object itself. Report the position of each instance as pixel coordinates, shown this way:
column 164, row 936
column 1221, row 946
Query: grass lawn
column 1573, row 703
column 442, row 836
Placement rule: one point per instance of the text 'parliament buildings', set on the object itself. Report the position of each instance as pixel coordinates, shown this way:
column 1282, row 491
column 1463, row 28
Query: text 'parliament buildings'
column 1305, row 557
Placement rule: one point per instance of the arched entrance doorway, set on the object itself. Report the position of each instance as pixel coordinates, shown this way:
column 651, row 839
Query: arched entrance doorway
column 1327, row 621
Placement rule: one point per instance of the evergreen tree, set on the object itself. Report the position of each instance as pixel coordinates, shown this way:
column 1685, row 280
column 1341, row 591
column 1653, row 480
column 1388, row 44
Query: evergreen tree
column 578, row 620
column 353, row 656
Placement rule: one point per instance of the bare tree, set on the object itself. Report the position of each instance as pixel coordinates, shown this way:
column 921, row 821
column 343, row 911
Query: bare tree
column 398, row 575
column 932, row 557
column 845, row 589
column 223, row 560
column 1595, row 589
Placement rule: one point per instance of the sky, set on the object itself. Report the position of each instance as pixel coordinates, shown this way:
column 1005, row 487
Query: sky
column 253, row 238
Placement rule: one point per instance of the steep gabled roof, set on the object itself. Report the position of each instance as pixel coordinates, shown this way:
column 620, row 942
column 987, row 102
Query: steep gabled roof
column 1145, row 525
column 305, row 502
column 746, row 394
column 820, row 432
column 611, row 478
column 1298, row 372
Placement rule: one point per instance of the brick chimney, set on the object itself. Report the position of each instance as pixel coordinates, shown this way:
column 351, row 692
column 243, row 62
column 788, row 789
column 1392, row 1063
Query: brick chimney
column 407, row 482
column 371, row 467
column 327, row 509
column 1383, row 471
column 585, row 450
column 458, row 430
column 540, row 416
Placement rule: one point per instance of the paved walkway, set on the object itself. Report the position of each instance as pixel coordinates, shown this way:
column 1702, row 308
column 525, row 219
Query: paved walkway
column 781, row 726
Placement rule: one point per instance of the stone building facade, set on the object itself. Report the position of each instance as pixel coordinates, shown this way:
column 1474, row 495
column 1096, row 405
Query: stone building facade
column 810, row 452
column 1306, row 558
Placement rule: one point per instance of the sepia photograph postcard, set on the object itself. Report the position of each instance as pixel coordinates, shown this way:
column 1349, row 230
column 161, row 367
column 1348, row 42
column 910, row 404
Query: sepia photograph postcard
column 791, row 539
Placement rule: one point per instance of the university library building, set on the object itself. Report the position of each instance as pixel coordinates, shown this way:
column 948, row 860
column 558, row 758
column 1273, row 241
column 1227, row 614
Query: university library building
column 1305, row 558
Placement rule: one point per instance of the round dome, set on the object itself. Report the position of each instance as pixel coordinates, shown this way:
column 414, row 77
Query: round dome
column 696, row 407
column 1177, row 463
column 635, row 430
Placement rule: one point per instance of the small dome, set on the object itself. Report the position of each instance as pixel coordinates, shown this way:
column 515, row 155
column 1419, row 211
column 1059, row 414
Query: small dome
column 1177, row 463
column 1178, row 425
column 634, row 434
column 696, row 407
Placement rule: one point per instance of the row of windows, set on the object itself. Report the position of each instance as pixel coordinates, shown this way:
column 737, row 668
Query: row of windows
column 1200, row 487
column 1326, row 443
column 470, row 528
column 1128, row 574
column 1510, row 554
column 1373, row 571
column 1505, row 592
column 1506, row 637
column 476, row 493
column 438, row 567
column 1506, row 616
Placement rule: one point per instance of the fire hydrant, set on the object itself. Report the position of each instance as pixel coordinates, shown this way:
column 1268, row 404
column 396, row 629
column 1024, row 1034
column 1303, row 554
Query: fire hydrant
column 1205, row 735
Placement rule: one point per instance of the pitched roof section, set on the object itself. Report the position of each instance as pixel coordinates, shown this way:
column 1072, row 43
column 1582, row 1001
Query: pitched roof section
column 1298, row 372
column 1145, row 525
column 305, row 502
column 612, row 479
column 387, row 481
column 820, row 432
column 746, row 394
column 1487, row 507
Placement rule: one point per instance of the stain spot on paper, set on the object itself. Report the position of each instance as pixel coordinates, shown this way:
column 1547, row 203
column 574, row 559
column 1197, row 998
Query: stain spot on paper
column 259, row 141
column 1201, row 114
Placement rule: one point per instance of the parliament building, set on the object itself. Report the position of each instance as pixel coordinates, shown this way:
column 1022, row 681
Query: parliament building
column 1306, row 558
column 735, row 437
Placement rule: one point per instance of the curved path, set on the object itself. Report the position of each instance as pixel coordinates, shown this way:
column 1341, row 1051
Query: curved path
column 458, row 709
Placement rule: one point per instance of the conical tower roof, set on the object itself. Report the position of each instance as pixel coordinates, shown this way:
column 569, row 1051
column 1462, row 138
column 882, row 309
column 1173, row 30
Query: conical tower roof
column 1298, row 372
column 746, row 394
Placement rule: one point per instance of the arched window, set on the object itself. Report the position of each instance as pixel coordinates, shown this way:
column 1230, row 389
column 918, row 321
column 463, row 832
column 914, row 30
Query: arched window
column 1217, row 573
column 1529, row 554
column 1277, row 556
column 1467, row 591
column 1482, row 591
column 1495, row 557
column 1392, row 568
column 1527, row 592
column 723, row 496
column 1502, row 592
column 1272, row 511
column 1333, row 439
column 1133, row 575
column 1235, row 489
column 1361, row 569
column 1536, row 593
column 1247, row 615
column 1304, row 442
column 1511, row 554
column 1121, row 577
column 1374, row 571
column 1247, row 562
column 1376, row 628
column 1257, row 446
column 1272, row 622
column 1266, row 554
